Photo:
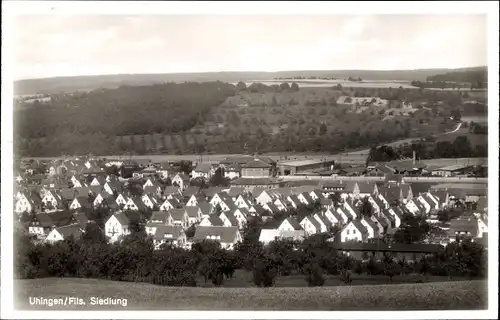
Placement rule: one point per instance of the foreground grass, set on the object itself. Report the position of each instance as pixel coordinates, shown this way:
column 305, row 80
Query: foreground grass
column 461, row 295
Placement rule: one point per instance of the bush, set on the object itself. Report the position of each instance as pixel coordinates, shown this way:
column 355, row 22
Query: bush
column 264, row 273
column 315, row 276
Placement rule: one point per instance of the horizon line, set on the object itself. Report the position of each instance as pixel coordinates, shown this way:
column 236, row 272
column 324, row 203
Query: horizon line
column 247, row 71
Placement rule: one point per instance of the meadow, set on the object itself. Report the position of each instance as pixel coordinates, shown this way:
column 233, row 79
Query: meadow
column 451, row 295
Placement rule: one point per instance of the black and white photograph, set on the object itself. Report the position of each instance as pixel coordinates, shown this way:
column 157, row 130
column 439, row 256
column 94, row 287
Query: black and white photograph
column 274, row 157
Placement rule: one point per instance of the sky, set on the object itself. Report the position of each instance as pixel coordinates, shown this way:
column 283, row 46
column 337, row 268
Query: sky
column 49, row 45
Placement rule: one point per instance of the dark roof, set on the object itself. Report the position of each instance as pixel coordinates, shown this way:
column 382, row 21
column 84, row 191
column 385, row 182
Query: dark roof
column 294, row 223
column 159, row 216
column 259, row 210
column 395, row 247
column 226, row 234
column 163, row 231
column 177, row 214
column 192, row 212
column 126, row 217
column 464, row 224
column 215, row 220
column 256, row 163
column 421, row 187
column 203, row 167
column 67, row 231
column 170, row 190
column 366, row 187
column 205, row 207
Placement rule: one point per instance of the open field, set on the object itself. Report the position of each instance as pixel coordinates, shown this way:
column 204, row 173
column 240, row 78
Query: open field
column 461, row 295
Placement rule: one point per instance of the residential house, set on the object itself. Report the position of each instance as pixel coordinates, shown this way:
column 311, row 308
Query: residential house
column 241, row 214
column 243, row 202
column 42, row 223
column 334, row 217
column 467, row 227
column 228, row 237
column 194, row 213
column 135, row 204
column 235, row 192
column 371, row 227
column 206, row 209
column 324, row 222
column 158, row 218
column 281, row 204
column 51, row 201
column 202, row 170
column 28, row 202
column 81, row 203
column 310, row 225
column 98, row 181
column 229, row 219
column 119, row 224
column 305, row 198
column 180, row 217
column 271, row 208
column 289, row 224
column 214, row 221
column 121, row 200
column 354, row 231
column 181, row 180
column 173, row 235
column 232, row 171
column 64, row 232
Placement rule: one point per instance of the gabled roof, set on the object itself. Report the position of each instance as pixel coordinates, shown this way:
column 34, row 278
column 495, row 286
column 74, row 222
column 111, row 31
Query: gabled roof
column 192, row 212
column 170, row 190
column 307, row 197
column 390, row 192
column 324, row 220
column 293, row 222
column 372, row 224
column 183, row 176
column 168, row 232
column 464, row 224
column 125, row 217
column 226, row 234
column 313, row 221
column 294, row 198
column 67, row 231
column 258, row 209
column 159, row 216
column 81, row 218
column 231, row 217
column 273, row 208
column 191, row 190
column 203, row 168
column 177, row 214
column 215, row 220
column 361, row 228
column 205, row 207
column 326, row 202
column 151, row 189
column 211, row 191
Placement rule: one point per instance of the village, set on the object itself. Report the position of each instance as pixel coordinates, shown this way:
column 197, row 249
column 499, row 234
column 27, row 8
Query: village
column 191, row 202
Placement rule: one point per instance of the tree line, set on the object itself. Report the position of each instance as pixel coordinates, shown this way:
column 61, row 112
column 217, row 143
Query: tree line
column 135, row 260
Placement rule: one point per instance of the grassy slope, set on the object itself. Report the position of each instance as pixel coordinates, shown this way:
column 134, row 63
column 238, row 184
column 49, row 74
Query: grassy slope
column 463, row 295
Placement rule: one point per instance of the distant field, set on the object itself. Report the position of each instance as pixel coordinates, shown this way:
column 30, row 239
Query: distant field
column 343, row 83
column 461, row 295
column 474, row 139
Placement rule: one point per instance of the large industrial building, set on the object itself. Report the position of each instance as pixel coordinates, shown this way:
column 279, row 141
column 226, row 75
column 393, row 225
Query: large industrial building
column 303, row 166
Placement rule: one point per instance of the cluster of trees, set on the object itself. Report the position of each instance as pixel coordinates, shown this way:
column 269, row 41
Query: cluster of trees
column 459, row 148
column 165, row 108
column 258, row 87
column 382, row 154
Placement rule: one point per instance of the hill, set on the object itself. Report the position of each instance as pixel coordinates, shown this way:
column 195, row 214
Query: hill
column 461, row 295
column 477, row 77
column 193, row 118
column 84, row 83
